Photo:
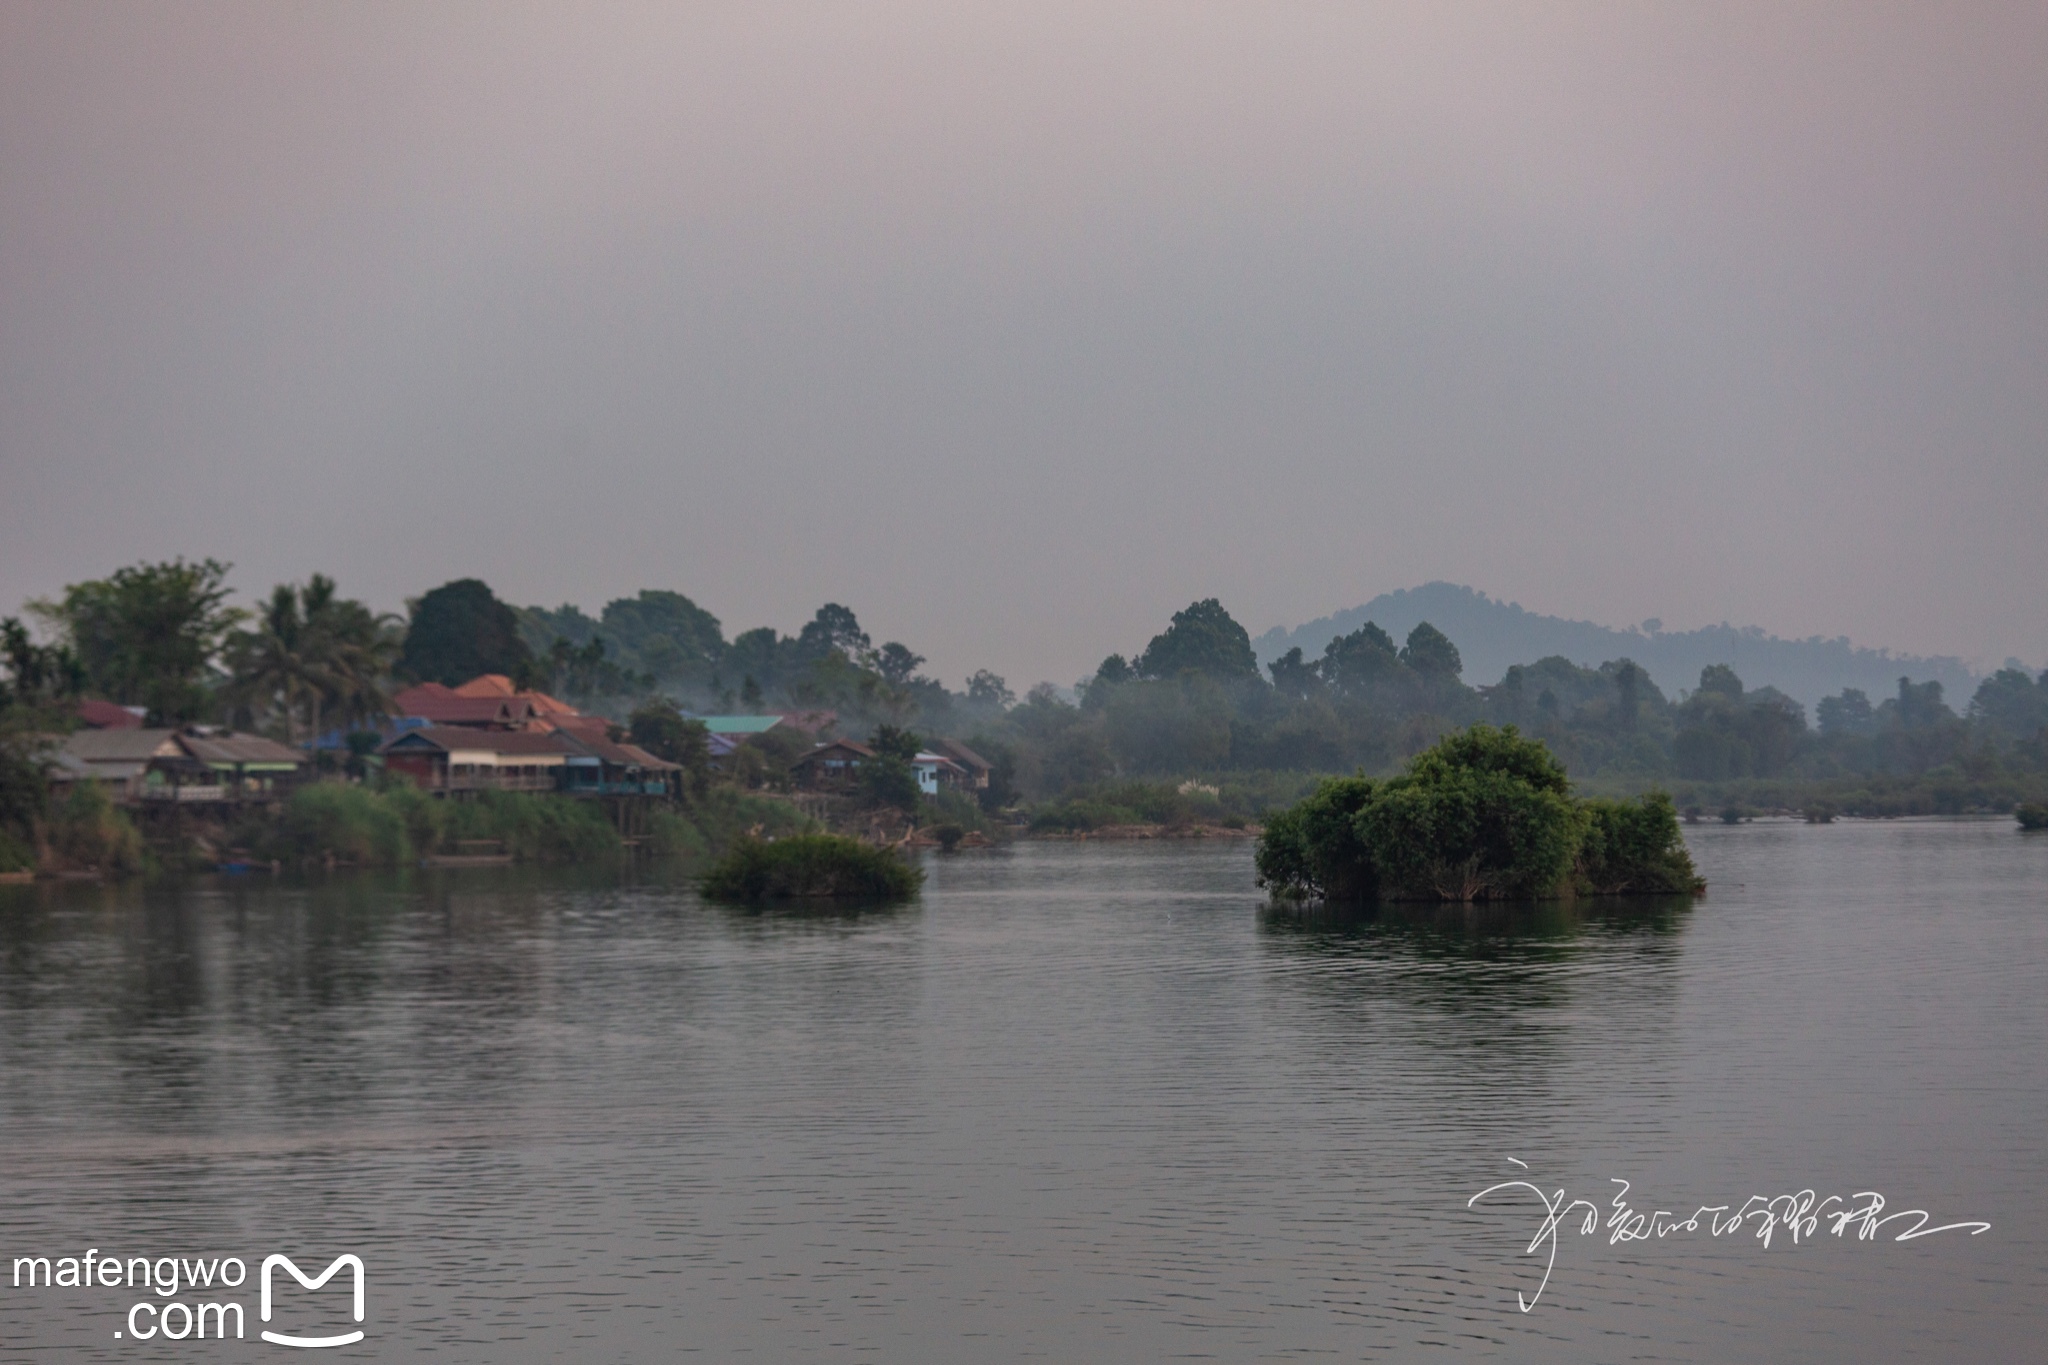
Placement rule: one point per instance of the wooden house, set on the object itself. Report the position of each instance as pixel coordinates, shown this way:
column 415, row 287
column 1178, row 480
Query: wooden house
column 831, row 767
column 451, row 760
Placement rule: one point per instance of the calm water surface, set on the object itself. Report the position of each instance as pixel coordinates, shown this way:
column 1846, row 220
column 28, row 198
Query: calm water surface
column 1078, row 1103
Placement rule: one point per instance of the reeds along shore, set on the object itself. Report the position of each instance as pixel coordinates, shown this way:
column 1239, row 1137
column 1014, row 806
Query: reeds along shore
column 336, row 824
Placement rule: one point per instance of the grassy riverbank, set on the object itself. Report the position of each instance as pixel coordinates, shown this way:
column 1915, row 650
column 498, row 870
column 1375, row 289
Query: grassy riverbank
column 336, row 824
column 365, row 827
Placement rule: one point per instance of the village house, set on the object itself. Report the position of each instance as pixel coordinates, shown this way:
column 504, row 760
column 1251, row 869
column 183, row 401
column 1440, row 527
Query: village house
column 936, row 771
column 835, row 766
column 431, row 704
column 454, row 759
column 250, row 767
column 973, row 764
column 106, row 715
column 831, row 767
column 135, row 765
column 597, row 766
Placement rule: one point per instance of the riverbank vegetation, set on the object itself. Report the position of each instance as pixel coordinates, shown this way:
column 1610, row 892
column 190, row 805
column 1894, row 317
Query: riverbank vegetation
column 1483, row 814
column 810, row 867
column 1188, row 732
column 338, row 824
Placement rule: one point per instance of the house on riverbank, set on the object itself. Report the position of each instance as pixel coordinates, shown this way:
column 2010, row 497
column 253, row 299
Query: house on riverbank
column 137, row 766
column 937, row 772
column 831, row 767
column 452, row 759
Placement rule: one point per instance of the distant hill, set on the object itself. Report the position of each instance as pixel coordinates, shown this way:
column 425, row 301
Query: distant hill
column 1491, row 635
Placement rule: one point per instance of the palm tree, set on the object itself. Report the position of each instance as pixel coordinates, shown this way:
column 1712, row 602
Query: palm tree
column 270, row 666
column 312, row 651
column 354, row 648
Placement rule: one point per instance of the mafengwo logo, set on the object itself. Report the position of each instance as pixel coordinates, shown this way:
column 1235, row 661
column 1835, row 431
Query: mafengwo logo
column 354, row 1263
column 189, row 1297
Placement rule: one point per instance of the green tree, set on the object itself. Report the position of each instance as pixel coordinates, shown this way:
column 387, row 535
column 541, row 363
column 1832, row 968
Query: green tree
column 1483, row 815
column 887, row 778
column 989, row 689
column 1357, row 663
column 273, row 668
column 659, row 727
column 665, row 634
column 1430, row 653
column 896, row 663
column 1179, row 726
column 1293, row 677
column 1001, row 791
column 1919, row 706
column 890, row 742
column 1115, row 670
column 39, row 677
column 1634, row 847
column 583, row 674
column 148, row 635
column 311, row 654
column 1315, row 849
column 1720, row 680
column 461, row 630
column 2010, row 704
column 1202, row 639
column 833, row 628
column 1847, row 714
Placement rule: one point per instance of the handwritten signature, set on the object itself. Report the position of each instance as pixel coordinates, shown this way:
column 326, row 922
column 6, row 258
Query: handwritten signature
column 1800, row 1216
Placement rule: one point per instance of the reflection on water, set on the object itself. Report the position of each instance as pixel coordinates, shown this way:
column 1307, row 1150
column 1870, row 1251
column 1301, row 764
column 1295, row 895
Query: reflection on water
column 1086, row 1102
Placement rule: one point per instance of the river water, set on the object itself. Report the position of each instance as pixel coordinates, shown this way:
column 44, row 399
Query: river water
column 1079, row 1102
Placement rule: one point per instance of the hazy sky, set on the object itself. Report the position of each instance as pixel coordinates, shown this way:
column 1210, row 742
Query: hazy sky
column 1015, row 328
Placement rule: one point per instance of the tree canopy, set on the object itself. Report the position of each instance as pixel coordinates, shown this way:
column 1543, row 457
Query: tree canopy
column 146, row 635
column 1201, row 639
column 1484, row 814
column 460, row 630
column 311, row 653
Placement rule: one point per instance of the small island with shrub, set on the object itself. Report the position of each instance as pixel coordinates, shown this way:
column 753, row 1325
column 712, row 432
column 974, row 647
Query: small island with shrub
column 2032, row 815
column 1483, row 815
column 810, row 867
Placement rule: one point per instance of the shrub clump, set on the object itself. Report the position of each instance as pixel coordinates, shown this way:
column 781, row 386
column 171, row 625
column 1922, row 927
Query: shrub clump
column 15, row 856
column 87, row 831
column 1634, row 848
column 370, row 828
column 330, row 820
column 1128, row 803
column 1482, row 815
column 808, row 867
column 2032, row 815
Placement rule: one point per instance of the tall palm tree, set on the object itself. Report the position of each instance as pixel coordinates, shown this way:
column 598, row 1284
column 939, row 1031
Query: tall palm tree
column 271, row 668
column 354, row 649
column 312, row 651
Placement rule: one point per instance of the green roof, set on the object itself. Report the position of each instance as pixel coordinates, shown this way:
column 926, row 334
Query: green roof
column 738, row 725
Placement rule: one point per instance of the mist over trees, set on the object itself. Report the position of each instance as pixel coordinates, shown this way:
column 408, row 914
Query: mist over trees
column 1494, row 634
column 1189, row 713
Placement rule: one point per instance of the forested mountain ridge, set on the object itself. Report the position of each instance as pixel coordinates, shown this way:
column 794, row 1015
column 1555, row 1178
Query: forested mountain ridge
column 1493, row 635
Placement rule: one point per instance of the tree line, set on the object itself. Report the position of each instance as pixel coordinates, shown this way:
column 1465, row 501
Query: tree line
column 1192, row 703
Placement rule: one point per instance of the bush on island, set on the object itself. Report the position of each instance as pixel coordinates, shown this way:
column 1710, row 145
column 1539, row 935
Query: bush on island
column 807, row 867
column 2032, row 815
column 1482, row 815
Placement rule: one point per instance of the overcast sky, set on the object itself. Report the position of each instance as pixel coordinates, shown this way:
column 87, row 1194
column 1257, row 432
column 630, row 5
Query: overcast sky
column 1015, row 328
